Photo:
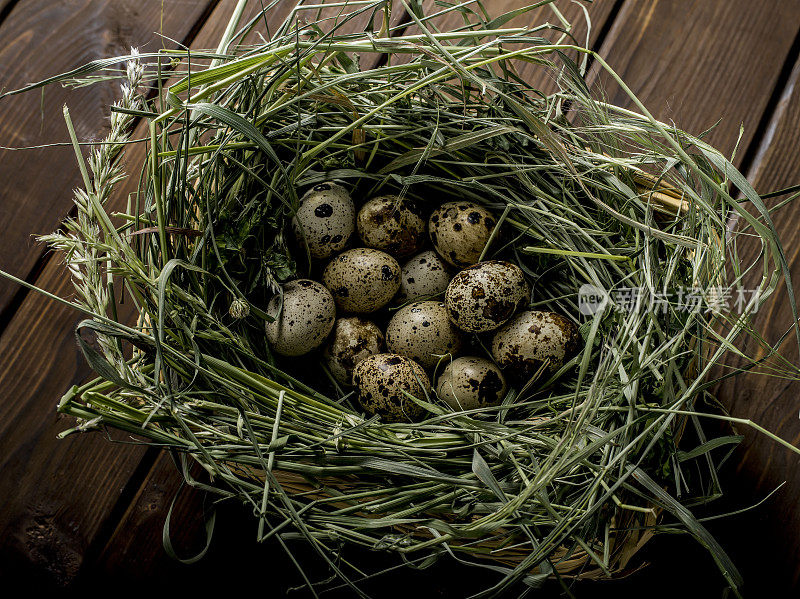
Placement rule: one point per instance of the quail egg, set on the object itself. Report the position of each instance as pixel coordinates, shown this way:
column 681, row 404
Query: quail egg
column 460, row 230
column 530, row 338
column 422, row 332
column 325, row 219
column 362, row 279
column 304, row 320
column 484, row 296
column 353, row 340
column 468, row 383
column 392, row 224
column 382, row 382
column 425, row 275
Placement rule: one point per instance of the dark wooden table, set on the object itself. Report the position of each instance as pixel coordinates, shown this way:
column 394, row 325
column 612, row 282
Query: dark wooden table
column 81, row 513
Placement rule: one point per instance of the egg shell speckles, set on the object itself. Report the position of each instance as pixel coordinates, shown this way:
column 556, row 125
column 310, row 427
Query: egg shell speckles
column 362, row 279
column 484, row 296
column 423, row 332
column 425, row 275
column 391, row 224
column 353, row 339
column 306, row 318
column 470, row 382
column 530, row 338
column 460, row 230
column 325, row 219
column 381, row 382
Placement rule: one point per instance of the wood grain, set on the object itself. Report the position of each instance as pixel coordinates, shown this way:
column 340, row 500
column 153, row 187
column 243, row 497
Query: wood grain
column 56, row 494
column 41, row 38
column 695, row 62
column 763, row 465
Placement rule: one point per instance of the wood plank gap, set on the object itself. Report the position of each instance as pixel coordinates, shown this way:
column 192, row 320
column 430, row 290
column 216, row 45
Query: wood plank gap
column 772, row 115
column 403, row 23
column 132, row 489
column 5, row 9
column 597, row 46
column 192, row 34
column 7, row 313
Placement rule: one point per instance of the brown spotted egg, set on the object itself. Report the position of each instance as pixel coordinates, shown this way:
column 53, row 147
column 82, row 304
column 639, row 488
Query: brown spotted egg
column 460, row 230
column 353, row 339
column 362, row 279
column 392, row 224
column 530, row 339
column 425, row 275
column 325, row 220
column 382, row 382
column 423, row 332
column 484, row 296
column 469, row 383
column 304, row 319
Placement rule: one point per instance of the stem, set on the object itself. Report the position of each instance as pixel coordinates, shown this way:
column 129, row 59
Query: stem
column 87, row 182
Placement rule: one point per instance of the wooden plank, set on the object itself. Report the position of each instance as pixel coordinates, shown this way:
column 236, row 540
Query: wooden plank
column 41, row 38
column 56, row 495
column 763, row 465
column 695, row 62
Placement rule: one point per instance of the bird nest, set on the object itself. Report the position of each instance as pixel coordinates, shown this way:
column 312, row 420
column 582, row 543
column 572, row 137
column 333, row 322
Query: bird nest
column 619, row 222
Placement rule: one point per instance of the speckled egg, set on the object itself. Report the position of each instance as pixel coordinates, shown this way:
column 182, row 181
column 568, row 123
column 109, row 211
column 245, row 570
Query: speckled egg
column 362, row 279
column 423, row 332
column 325, row 220
column 484, row 296
column 353, row 339
column 425, row 275
column 382, row 382
column 460, row 230
column 304, row 320
column 469, row 383
column 530, row 338
column 392, row 224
